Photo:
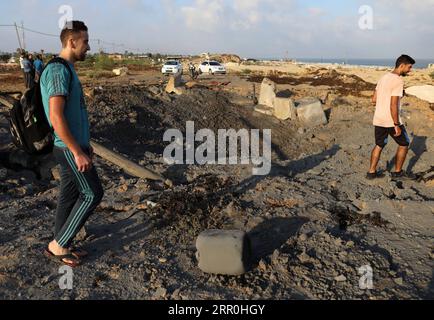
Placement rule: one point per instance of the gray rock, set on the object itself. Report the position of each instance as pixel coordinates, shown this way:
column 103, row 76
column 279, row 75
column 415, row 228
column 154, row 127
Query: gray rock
column 341, row 278
column 160, row 293
column 154, row 90
column 311, row 113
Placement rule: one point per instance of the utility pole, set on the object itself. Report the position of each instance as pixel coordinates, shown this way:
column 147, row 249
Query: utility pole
column 18, row 36
column 24, row 41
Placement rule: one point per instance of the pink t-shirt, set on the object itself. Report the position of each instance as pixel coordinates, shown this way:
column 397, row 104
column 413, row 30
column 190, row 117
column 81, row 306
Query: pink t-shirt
column 390, row 85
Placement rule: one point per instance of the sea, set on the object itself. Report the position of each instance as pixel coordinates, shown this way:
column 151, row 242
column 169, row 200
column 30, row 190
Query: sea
column 420, row 63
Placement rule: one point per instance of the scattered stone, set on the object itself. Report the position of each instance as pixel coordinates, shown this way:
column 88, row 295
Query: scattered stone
column 304, row 257
column 399, row 281
column 154, row 90
column 303, row 237
column 160, row 293
column 341, row 278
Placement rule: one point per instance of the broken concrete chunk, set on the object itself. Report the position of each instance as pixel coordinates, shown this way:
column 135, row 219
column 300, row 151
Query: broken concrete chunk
column 311, row 113
column 422, row 92
column 268, row 93
column 223, row 252
column 121, row 71
column 284, row 109
column 264, row 110
column 174, row 85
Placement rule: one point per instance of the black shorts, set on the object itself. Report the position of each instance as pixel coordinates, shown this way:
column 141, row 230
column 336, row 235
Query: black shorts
column 382, row 137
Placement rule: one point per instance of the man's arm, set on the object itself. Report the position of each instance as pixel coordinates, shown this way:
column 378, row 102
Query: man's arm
column 374, row 98
column 394, row 110
column 60, row 125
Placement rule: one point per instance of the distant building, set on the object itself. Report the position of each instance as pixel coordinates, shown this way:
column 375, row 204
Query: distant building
column 116, row 57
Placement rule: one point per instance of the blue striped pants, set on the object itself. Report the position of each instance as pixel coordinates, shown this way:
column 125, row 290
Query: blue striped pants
column 80, row 194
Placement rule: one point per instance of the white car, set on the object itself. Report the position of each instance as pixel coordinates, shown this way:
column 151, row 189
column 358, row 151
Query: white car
column 172, row 67
column 212, row 67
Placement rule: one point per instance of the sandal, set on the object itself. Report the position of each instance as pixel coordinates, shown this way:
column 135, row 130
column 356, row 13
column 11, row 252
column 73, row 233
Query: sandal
column 375, row 175
column 75, row 262
column 79, row 252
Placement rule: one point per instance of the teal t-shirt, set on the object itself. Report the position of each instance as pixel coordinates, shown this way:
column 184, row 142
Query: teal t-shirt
column 56, row 81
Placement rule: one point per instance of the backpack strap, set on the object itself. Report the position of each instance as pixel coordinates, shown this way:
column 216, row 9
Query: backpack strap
column 66, row 64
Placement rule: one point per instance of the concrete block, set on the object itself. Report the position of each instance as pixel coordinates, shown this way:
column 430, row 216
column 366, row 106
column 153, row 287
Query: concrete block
column 422, row 92
column 284, row 109
column 311, row 113
column 223, row 252
column 174, row 85
column 268, row 93
column 264, row 110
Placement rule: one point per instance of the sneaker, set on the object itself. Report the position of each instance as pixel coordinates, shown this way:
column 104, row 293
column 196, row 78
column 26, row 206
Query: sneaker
column 375, row 175
column 403, row 176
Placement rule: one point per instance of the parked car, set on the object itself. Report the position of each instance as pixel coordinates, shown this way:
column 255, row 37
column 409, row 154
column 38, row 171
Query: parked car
column 172, row 67
column 212, row 67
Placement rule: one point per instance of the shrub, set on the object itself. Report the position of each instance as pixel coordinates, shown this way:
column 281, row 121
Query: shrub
column 103, row 62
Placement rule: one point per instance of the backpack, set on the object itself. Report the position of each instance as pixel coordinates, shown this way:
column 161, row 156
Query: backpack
column 29, row 126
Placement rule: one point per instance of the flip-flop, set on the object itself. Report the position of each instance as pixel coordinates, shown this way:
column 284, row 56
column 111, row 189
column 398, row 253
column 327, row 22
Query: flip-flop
column 79, row 252
column 61, row 258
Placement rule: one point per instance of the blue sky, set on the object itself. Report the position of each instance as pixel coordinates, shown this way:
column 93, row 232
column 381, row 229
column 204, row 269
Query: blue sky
column 250, row 28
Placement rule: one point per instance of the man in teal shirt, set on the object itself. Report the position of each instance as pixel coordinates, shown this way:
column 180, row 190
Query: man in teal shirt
column 65, row 108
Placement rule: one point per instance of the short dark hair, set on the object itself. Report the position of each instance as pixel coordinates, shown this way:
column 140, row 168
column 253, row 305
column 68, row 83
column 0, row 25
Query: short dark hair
column 71, row 28
column 404, row 59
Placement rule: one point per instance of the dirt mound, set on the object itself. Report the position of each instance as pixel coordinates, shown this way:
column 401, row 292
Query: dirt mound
column 143, row 119
column 225, row 58
column 341, row 83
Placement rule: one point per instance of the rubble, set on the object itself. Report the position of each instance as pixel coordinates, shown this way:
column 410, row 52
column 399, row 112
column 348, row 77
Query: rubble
column 313, row 222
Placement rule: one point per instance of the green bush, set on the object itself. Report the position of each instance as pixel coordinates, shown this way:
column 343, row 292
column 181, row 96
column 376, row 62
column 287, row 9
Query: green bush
column 432, row 75
column 4, row 57
column 103, row 62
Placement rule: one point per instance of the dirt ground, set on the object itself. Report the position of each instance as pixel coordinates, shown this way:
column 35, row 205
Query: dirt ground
column 314, row 221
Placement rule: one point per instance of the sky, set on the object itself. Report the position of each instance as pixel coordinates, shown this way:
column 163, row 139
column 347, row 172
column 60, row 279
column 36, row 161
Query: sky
column 250, row 28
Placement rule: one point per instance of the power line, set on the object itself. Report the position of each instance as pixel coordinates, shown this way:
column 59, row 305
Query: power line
column 110, row 44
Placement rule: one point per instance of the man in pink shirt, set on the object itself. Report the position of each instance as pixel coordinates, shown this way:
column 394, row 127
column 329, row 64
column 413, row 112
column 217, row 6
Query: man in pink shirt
column 387, row 120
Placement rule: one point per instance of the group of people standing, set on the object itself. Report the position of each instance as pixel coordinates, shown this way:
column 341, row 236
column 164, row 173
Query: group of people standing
column 32, row 68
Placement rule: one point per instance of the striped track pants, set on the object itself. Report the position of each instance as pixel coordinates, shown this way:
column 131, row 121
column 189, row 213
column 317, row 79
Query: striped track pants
column 80, row 193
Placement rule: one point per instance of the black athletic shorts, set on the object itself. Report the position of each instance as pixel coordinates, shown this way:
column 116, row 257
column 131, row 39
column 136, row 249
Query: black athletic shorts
column 382, row 136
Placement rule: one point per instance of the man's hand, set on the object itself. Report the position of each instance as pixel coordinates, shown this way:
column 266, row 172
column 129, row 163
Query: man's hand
column 398, row 131
column 83, row 162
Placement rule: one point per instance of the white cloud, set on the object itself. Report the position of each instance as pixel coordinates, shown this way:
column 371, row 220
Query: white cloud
column 203, row 15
